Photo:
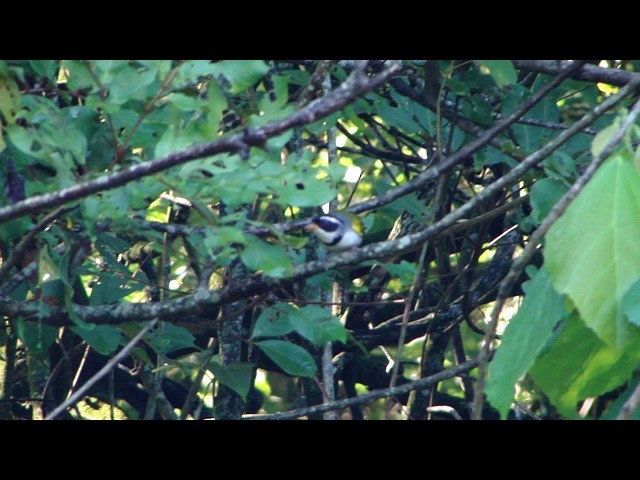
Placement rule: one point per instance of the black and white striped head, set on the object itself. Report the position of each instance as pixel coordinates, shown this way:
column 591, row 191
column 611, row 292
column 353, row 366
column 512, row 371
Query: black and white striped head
column 335, row 231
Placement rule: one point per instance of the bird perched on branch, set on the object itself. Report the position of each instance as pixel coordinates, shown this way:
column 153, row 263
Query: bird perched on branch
column 338, row 232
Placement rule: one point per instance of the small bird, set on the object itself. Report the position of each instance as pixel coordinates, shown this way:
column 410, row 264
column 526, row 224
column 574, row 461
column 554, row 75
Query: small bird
column 338, row 232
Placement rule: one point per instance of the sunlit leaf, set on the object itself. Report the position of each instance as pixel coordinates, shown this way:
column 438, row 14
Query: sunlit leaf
column 591, row 251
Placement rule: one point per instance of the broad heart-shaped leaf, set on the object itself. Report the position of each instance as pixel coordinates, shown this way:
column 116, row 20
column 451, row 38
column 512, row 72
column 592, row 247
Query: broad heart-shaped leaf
column 103, row 338
column 236, row 376
column 317, row 325
column 524, row 337
column 291, row 358
column 271, row 259
column 592, row 251
column 578, row 365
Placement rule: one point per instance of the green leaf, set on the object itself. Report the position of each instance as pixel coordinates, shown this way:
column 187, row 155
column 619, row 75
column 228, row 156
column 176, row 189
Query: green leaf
column 237, row 376
column 291, row 358
column 110, row 288
column 176, row 138
column 305, row 192
column 317, row 325
column 9, row 99
column 241, row 74
column 525, row 336
column 579, row 365
column 46, row 68
column 103, row 338
column 631, row 304
column 544, row 195
column 561, row 166
column 269, row 258
column 36, row 336
column 273, row 322
column 603, row 137
column 591, row 251
column 167, row 338
column 502, row 71
column 398, row 118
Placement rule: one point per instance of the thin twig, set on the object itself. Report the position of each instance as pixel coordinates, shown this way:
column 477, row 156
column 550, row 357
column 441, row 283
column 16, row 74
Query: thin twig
column 558, row 209
column 415, row 287
column 467, row 150
column 18, row 252
column 148, row 107
column 328, row 370
column 373, row 395
column 102, row 372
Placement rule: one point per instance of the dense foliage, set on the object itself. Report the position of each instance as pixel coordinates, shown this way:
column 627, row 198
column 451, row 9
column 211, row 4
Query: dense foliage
column 154, row 263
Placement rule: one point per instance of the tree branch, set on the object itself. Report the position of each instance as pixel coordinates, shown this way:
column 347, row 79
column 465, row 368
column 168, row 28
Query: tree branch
column 588, row 73
column 373, row 395
column 469, row 149
column 102, row 372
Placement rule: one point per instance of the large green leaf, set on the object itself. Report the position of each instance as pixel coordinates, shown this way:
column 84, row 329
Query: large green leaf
column 236, row 376
column 578, row 365
column 273, row 322
column 317, row 325
column 591, row 251
column 241, row 74
column 291, row 358
column 502, row 71
column 267, row 257
column 36, row 336
column 167, row 338
column 103, row 338
column 524, row 337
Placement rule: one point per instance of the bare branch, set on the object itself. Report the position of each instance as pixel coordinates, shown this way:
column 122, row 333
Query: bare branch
column 588, row 73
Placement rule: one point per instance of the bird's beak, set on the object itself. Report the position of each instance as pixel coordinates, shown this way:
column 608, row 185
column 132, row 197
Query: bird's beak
column 310, row 227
